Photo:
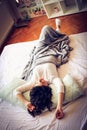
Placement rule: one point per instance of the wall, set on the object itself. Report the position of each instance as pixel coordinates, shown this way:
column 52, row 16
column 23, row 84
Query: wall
column 6, row 22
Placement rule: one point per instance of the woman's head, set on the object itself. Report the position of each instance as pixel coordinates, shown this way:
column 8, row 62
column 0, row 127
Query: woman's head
column 40, row 98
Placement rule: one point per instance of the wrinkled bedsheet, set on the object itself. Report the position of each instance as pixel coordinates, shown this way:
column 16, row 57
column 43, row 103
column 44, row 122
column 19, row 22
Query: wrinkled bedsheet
column 12, row 62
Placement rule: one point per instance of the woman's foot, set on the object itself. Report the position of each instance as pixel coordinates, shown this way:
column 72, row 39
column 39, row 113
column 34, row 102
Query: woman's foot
column 58, row 24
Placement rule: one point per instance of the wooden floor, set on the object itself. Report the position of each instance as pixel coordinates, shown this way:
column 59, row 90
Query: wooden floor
column 71, row 24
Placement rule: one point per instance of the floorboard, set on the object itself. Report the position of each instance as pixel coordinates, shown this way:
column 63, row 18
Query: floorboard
column 70, row 24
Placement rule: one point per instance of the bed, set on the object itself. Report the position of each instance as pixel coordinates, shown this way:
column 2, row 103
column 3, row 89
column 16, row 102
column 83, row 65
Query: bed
column 12, row 61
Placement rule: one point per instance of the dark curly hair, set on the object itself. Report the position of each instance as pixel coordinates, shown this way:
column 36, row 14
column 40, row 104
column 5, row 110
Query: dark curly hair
column 40, row 97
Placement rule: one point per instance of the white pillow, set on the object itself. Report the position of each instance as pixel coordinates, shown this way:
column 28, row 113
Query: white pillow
column 72, row 91
column 7, row 92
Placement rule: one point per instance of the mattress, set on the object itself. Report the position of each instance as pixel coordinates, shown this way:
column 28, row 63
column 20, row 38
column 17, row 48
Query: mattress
column 12, row 62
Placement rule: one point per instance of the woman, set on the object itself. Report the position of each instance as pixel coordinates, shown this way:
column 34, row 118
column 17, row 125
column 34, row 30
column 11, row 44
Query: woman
column 44, row 74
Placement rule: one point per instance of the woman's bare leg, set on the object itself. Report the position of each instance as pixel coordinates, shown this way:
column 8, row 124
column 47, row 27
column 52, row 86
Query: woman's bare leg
column 58, row 24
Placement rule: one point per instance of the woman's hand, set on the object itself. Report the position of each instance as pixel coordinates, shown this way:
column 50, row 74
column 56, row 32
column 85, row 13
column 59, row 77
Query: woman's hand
column 29, row 106
column 59, row 113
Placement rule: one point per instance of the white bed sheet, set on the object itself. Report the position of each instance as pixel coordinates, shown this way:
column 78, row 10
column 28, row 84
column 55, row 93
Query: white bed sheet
column 12, row 61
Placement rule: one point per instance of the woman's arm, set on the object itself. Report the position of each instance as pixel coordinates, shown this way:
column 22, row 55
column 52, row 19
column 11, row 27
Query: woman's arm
column 22, row 99
column 60, row 100
column 60, row 89
column 59, row 112
column 20, row 90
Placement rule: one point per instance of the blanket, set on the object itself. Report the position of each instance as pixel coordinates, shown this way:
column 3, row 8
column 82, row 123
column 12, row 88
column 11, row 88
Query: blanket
column 57, row 52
